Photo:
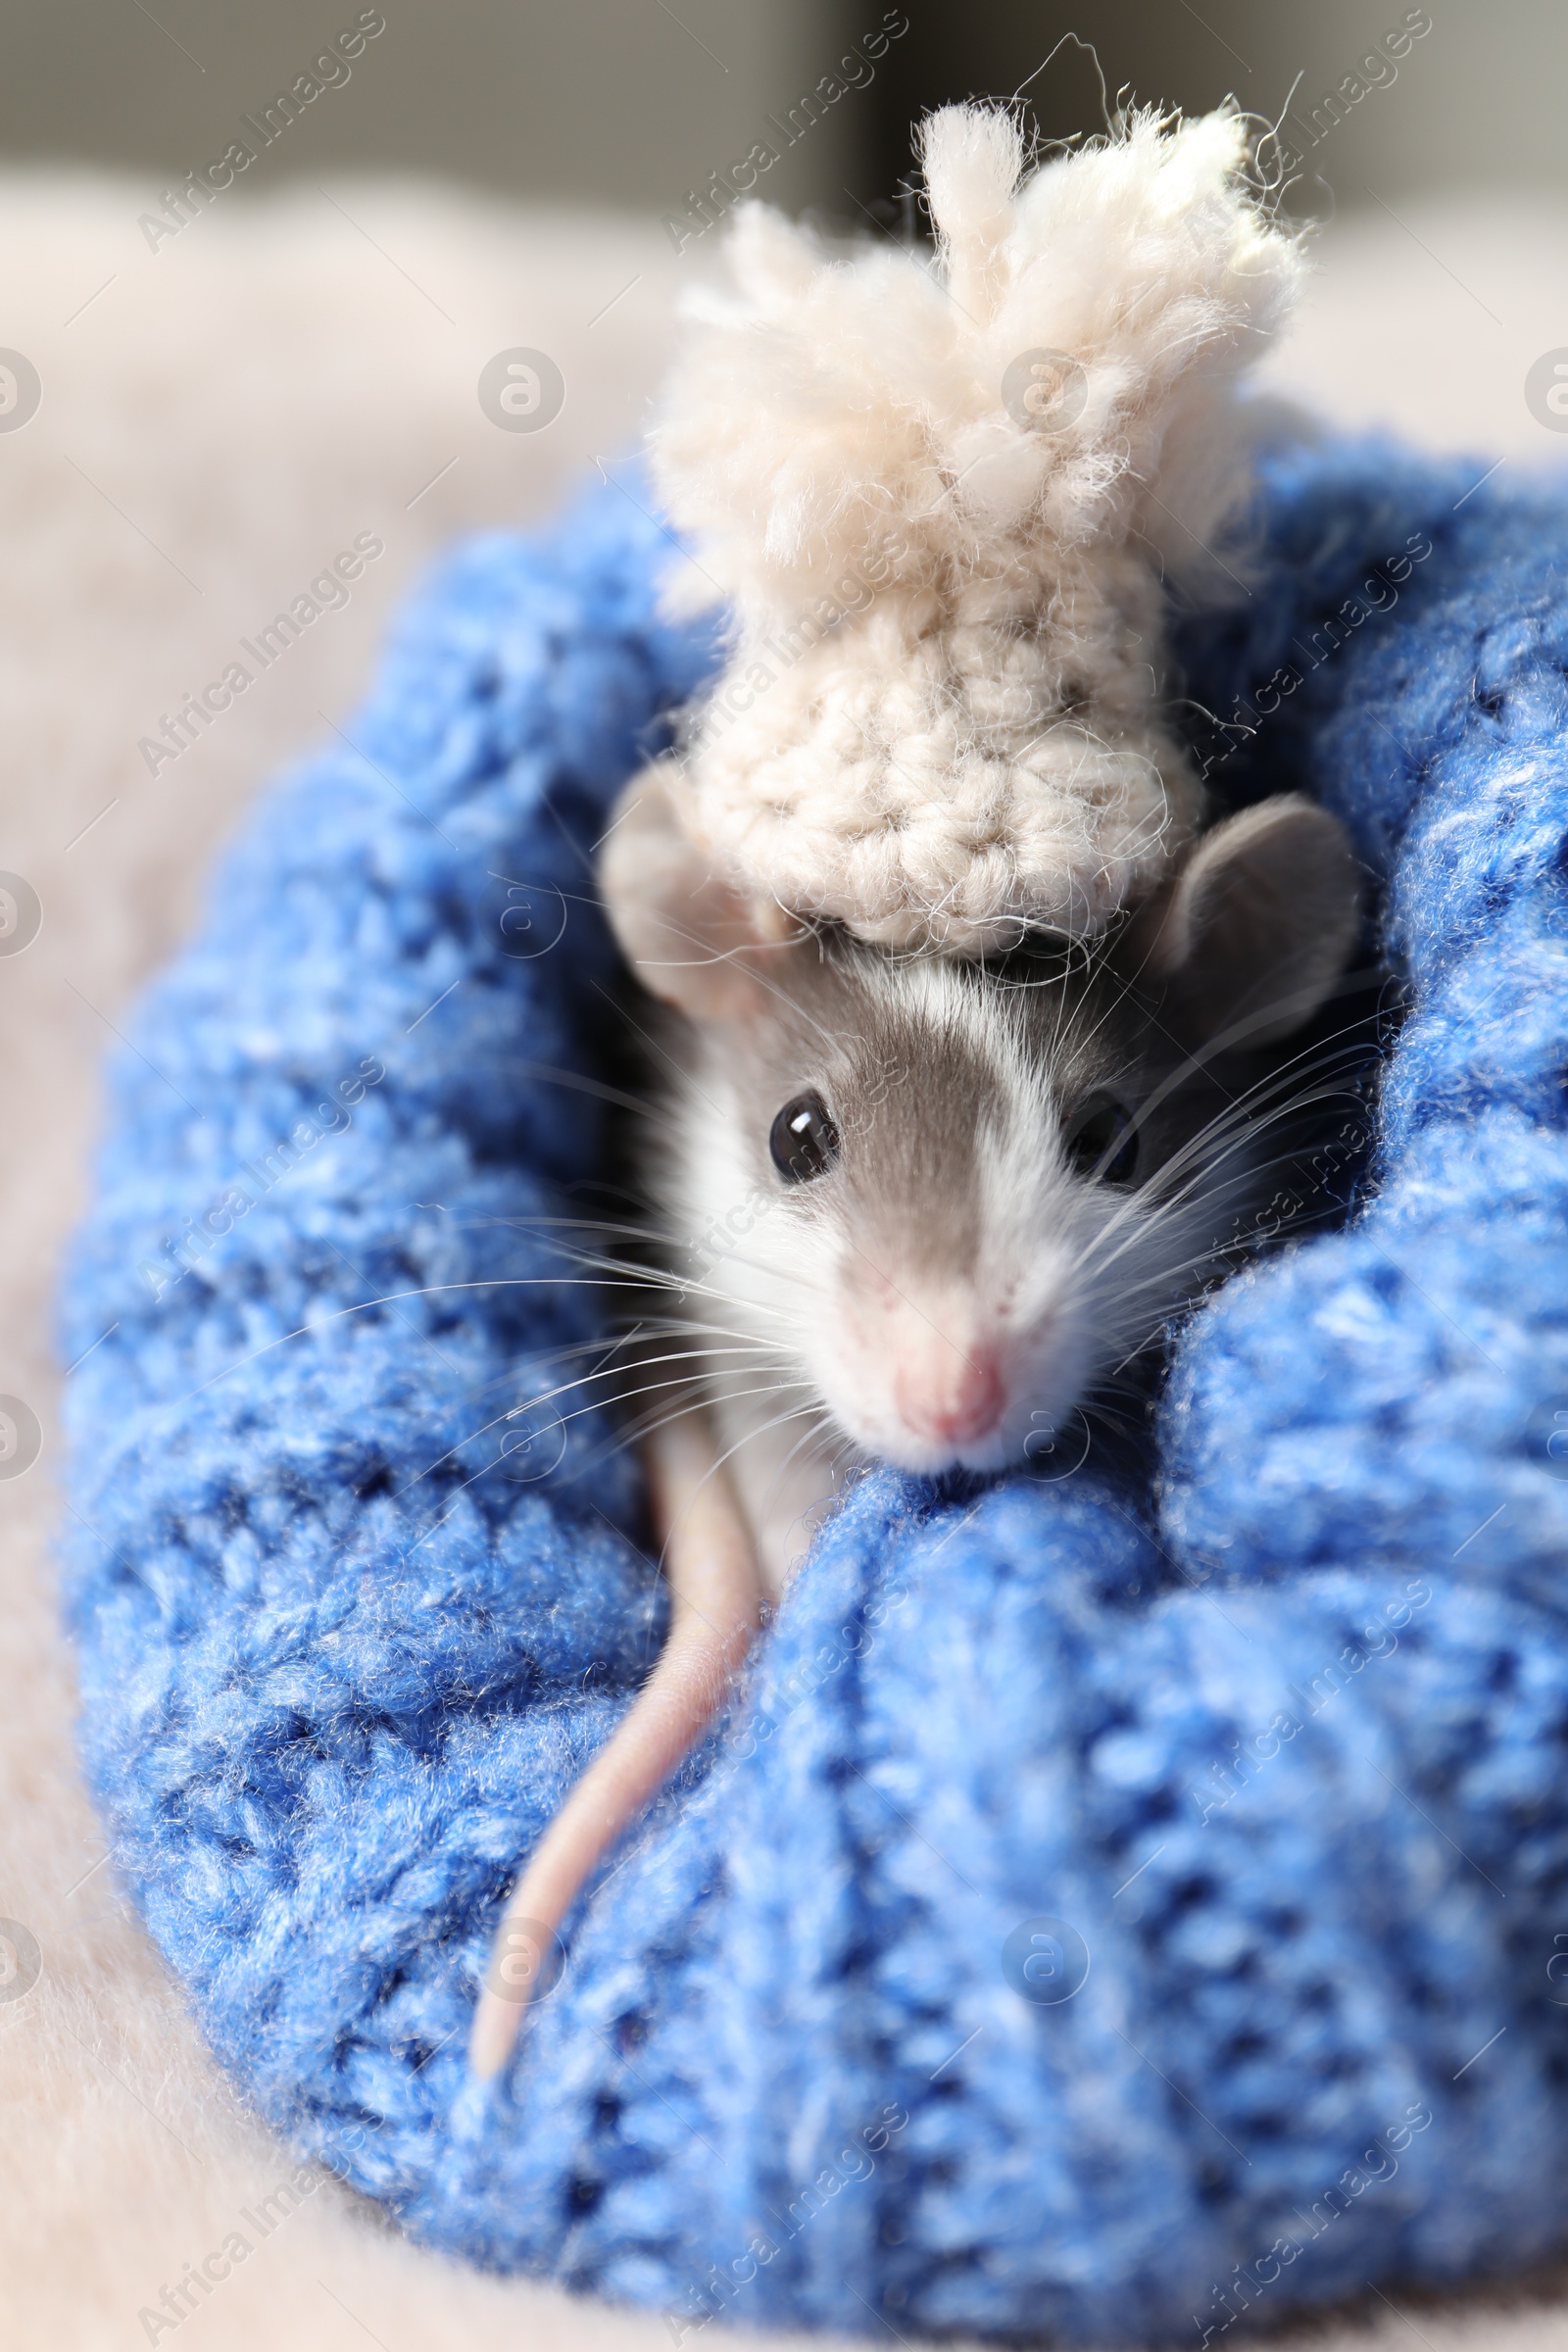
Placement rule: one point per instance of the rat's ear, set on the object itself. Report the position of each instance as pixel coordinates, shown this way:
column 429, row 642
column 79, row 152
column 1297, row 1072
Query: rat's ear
column 689, row 937
column 1249, row 937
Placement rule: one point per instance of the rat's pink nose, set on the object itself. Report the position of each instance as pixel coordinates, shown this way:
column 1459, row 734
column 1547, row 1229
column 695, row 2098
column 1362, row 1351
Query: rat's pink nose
column 949, row 1398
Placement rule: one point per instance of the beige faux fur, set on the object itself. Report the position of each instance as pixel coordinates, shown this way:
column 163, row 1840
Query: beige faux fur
column 219, row 419
column 940, row 498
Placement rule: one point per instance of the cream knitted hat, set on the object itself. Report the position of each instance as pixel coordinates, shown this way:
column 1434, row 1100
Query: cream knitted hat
column 940, row 498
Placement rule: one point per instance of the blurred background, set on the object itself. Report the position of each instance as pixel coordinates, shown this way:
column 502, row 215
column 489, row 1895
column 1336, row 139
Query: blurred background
column 633, row 102
column 660, row 114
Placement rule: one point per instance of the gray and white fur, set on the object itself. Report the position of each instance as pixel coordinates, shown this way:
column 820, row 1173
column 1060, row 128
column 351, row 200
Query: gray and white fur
column 1037, row 1162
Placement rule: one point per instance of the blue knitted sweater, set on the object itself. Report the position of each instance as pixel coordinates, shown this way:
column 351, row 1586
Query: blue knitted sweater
column 1276, row 1749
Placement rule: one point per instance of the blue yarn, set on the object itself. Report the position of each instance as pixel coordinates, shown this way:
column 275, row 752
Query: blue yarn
column 1285, row 1743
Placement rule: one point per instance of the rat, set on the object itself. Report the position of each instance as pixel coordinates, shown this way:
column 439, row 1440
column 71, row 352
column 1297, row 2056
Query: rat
column 969, row 1192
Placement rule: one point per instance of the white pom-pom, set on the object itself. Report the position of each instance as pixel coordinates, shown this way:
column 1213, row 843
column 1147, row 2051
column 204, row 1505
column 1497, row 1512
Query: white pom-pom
column 941, row 498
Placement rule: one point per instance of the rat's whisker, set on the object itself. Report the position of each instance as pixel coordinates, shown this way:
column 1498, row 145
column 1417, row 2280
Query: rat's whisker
column 643, row 1430
column 630, row 1277
column 765, row 1428
column 701, row 1355
column 364, row 1306
column 1198, row 1160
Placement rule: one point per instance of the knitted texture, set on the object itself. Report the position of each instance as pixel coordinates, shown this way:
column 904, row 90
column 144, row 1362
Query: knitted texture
column 1281, row 1742
column 940, row 500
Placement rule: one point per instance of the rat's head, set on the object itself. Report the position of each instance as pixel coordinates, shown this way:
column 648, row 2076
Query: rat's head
column 939, row 1201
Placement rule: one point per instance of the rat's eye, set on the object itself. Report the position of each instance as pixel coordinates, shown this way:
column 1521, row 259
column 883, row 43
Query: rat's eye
column 803, row 1141
column 1101, row 1141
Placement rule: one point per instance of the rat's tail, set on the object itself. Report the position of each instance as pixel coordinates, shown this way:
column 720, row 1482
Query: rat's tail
column 717, row 1605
